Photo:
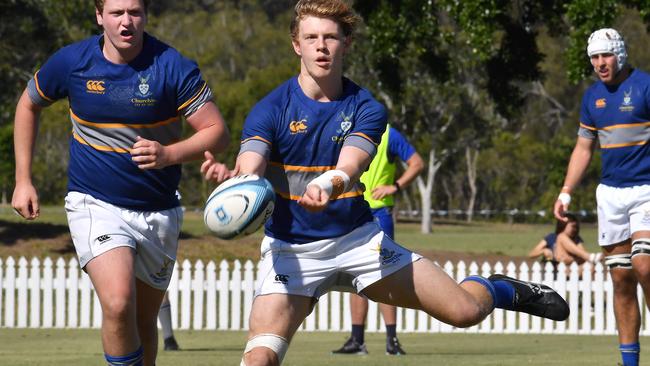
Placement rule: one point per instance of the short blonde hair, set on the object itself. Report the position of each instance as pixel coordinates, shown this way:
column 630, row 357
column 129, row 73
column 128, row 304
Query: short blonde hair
column 99, row 4
column 337, row 10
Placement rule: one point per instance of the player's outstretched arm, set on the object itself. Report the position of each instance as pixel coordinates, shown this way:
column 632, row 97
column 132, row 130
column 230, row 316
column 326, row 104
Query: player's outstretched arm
column 25, row 198
column 580, row 159
column 211, row 135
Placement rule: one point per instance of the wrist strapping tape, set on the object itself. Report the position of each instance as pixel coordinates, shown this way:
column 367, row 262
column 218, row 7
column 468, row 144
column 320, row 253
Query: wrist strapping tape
column 334, row 182
column 565, row 198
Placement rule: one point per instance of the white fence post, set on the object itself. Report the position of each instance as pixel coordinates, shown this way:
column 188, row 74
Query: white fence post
column 198, row 288
column 48, row 293
column 224, row 294
column 236, row 295
column 35, row 293
column 10, row 293
column 22, row 283
column 211, row 296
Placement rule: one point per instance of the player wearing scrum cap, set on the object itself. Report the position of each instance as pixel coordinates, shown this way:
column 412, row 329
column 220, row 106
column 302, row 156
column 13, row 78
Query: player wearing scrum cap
column 615, row 111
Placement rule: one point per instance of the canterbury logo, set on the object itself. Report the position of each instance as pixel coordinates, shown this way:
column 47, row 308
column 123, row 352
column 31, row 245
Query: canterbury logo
column 95, row 86
column 298, row 126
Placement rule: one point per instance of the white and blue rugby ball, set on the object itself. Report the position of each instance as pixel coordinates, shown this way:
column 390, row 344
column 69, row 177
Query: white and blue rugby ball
column 239, row 206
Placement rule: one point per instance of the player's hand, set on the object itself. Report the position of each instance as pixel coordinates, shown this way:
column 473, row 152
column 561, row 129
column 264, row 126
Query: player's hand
column 25, row 201
column 380, row 192
column 215, row 171
column 148, row 154
column 560, row 210
column 314, row 199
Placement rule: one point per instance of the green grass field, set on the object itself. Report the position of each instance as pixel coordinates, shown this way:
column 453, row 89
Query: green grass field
column 82, row 347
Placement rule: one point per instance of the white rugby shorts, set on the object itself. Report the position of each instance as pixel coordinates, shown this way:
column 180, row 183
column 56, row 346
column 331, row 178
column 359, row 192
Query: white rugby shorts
column 622, row 212
column 347, row 263
column 97, row 227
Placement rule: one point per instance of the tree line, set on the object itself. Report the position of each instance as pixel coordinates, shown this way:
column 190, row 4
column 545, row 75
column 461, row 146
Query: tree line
column 487, row 90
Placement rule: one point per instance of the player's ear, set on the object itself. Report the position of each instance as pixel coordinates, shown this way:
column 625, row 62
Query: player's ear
column 100, row 20
column 296, row 46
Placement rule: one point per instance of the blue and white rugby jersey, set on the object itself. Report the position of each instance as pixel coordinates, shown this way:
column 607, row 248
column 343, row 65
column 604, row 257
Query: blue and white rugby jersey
column 111, row 104
column 302, row 138
column 619, row 116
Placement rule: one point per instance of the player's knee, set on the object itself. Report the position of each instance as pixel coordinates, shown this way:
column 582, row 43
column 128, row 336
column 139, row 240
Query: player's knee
column 117, row 308
column 265, row 350
column 640, row 258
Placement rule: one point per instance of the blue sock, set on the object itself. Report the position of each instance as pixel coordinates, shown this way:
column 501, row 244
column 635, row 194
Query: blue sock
column 502, row 292
column 630, row 353
column 391, row 331
column 358, row 332
column 505, row 294
column 132, row 359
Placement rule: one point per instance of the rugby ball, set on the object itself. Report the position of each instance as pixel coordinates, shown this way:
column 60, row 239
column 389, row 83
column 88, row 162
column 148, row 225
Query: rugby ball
column 239, row 206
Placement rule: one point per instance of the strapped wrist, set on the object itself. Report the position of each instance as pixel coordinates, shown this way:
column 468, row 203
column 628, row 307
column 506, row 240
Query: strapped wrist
column 397, row 186
column 565, row 198
column 334, row 182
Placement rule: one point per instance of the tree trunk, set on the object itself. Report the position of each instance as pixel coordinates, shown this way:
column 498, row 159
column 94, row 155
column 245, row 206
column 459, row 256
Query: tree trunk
column 471, row 156
column 426, row 190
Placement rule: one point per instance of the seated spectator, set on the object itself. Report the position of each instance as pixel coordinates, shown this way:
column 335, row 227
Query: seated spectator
column 564, row 245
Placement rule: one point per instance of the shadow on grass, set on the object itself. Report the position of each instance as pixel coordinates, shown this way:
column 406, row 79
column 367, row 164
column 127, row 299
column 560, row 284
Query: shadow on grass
column 12, row 232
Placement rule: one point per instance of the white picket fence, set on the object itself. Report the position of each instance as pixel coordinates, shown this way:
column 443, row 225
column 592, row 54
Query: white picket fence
column 45, row 294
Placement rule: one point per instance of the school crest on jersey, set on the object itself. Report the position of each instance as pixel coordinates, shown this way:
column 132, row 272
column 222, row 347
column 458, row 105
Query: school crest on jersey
column 627, row 106
column 143, row 92
column 143, row 87
column 601, row 103
column 345, row 125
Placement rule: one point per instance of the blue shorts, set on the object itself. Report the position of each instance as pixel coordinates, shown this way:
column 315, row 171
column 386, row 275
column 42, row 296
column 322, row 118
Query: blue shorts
column 384, row 217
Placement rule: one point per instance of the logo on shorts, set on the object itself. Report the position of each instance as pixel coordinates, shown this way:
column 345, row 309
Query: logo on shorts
column 164, row 273
column 388, row 256
column 646, row 217
column 103, row 238
column 282, row 278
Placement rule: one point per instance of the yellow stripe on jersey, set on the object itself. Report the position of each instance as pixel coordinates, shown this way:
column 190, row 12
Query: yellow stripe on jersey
column 256, row 138
column 99, row 147
column 614, row 127
column 122, row 125
column 38, row 88
column 350, row 194
column 627, row 125
column 360, row 134
column 189, row 101
column 299, row 168
column 626, row 144
column 588, row 127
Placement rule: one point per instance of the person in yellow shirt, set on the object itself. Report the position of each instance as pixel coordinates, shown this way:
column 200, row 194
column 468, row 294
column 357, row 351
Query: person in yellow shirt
column 381, row 186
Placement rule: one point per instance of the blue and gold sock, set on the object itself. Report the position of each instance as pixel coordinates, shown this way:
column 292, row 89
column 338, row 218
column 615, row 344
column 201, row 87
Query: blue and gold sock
column 630, row 353
column 132, row 359
column 502, row 292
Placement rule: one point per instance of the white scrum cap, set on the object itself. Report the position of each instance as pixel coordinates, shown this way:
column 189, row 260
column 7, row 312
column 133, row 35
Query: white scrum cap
column 607, row 40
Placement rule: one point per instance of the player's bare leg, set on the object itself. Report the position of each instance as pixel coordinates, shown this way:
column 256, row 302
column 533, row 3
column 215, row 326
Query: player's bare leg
column 423, row 285
column 148, row 304
column 112, row 275
column 641, row 263
column 288, row 312
column 626, row 307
